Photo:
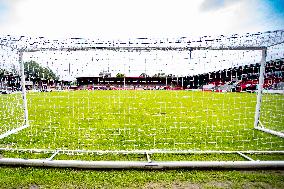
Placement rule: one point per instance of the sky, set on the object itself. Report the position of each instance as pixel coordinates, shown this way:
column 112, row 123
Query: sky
column 118, row 19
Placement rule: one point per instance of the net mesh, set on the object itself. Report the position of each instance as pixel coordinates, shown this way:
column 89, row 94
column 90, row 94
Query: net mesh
column 11, row 111
column 131, row 99
column 272, row 112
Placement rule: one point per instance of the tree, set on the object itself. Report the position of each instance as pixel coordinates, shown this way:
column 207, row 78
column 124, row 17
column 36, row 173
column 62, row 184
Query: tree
column 36, row 72
column 159, row 75
column 144, row 75
column 2, row 72
column 120, row 75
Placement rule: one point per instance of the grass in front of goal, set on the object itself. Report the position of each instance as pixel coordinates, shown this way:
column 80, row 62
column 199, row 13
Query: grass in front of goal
column 272, row 109
column 11, row 112
column 142, row 120
column 30, row 177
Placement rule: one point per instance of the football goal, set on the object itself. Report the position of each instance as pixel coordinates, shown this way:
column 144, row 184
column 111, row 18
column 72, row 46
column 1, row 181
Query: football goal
column 211, row 102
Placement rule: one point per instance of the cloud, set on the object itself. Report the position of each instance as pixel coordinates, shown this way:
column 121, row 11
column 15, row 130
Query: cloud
column 212, row 5
column 139, row 18
column 3, row 10
column 7, row 9
column 8, row 5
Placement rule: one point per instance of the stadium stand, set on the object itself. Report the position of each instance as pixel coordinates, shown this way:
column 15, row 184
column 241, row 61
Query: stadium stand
column 239, row 79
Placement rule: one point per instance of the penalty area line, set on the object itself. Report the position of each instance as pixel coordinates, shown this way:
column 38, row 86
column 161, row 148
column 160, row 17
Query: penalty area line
column 13, row 131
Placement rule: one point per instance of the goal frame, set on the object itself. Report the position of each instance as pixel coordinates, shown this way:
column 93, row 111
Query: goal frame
column 24, row 98
column 250, row 163
column 257, row 123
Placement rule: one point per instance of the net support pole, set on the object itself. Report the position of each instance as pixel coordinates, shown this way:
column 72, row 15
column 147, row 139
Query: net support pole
column 124, row 83
column 166, row 81
column 24, row 93
column 260, row 87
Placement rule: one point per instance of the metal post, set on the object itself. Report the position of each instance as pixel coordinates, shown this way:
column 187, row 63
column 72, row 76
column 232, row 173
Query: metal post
column 166, row 81
column 177, row 82
column 260, row 87
column 124, row 83
column 24, row 94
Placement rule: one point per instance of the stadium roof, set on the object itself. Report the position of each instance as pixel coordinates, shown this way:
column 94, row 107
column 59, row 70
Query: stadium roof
column 256, row 41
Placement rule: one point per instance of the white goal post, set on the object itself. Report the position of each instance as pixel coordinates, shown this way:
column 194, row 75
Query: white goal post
column 25, row 105
column 257, row 123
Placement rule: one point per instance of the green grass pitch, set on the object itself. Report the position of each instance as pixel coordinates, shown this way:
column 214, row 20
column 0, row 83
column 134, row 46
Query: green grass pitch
column 141, row 120
column 119, row 120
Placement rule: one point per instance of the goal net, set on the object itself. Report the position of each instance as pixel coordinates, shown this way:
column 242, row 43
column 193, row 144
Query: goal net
column 11, row 103
column 272, row 95
column 164, row 95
